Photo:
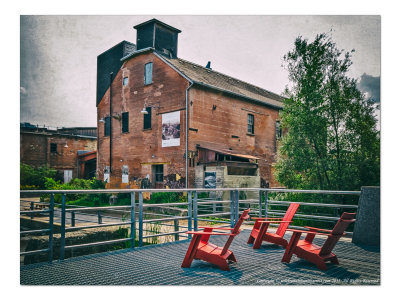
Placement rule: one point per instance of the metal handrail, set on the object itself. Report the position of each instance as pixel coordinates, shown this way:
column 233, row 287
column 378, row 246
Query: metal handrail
column 192, row 209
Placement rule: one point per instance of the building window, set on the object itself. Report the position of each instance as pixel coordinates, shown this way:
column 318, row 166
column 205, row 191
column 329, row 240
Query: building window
column 158, row 173
column 125, row 122
column 53, row 148
column 147, row 119
column 278, row 130
column 107, row 126
column 148, row 73
column 250, row 123
column 125, row 81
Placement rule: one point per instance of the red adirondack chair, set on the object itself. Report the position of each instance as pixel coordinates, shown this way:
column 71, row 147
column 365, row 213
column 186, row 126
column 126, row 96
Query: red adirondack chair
column 201, row 248
column 260, row 233
column 318, row 255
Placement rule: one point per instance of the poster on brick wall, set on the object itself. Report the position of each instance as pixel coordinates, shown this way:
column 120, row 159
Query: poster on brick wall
column 106, row 174
column 125, row 174
column 171, row 129
column 210, row 180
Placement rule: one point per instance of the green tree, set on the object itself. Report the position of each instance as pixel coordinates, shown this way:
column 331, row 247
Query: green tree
column 330, row 140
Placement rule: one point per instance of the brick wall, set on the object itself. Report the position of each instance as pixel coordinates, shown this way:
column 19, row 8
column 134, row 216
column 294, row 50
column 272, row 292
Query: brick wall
column 139, row 149
column 215, row 127
column 35, row 150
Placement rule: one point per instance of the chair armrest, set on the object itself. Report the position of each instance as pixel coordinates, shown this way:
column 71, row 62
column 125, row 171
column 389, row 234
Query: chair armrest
column 307, row 231
column 217, row 228
column 275, row 221
column 210, row 233
column 266, row 219
column 319, row 229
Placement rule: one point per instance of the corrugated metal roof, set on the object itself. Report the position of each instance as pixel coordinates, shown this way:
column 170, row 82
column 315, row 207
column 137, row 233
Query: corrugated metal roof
column 228, row 152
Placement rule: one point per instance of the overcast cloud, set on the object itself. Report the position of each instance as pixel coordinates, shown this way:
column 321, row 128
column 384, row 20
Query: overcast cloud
column 58, row 54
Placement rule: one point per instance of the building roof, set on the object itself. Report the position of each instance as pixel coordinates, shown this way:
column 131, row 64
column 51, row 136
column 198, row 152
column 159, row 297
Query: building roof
column 215, row 80
column 157, row 22
column 215, row 148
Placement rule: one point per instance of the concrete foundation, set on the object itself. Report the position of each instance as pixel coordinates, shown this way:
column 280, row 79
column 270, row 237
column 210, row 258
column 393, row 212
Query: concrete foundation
column 367, row 227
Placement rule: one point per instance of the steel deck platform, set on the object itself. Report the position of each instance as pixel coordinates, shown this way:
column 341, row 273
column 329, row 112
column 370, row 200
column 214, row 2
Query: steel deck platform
column 161, row 265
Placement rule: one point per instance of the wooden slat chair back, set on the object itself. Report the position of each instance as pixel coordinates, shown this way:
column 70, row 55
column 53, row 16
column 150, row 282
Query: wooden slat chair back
column 287, row 217
column 235, row 231
column 345, row 220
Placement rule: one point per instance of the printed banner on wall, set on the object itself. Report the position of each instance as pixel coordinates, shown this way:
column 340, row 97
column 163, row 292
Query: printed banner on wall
column 171, row 129
column 125, row 174
column 210, row 180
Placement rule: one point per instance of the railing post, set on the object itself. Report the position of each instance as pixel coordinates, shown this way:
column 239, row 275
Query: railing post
column 236, row 206
column 62, row 242
column 260, row 193
column 133, row 220
column 99, row 217
column 140, row 219
column 232, row 208
column 51, row 227
column 195, row 211
column 176, row 228
column 32, row 207
column 72, row 219
column 266, row 204
column 190, row 213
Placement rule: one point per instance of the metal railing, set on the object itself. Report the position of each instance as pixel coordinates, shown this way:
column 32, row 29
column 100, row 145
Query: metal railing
column 221, row 205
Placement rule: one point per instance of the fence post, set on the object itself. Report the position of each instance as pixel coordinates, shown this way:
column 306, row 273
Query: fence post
column 260, row 193
column 32, row 207
column 176, row 228
column 72, row 219
column 236, row 206
column 140, row 219
column 99, row 217
column 266, row 204
column 189, row 213
column 62, row 246
column 232, row 208
column 51, row 227
column 133, row 227
column 195, row 211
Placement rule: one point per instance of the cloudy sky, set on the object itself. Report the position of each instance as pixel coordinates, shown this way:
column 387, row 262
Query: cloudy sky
column 58, row 54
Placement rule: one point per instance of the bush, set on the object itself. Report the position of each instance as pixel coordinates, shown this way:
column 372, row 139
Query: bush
column 78, row 184
column 35, row 178
column 167, row 198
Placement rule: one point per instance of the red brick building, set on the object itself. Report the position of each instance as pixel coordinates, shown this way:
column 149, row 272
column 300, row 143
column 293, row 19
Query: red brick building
column 71, row 151
column 177, row 123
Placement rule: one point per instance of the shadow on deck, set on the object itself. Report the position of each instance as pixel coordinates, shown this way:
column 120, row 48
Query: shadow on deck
column 161, row 265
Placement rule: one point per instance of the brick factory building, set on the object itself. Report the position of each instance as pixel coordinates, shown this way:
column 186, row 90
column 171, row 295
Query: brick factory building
column 71, row 151
column 167, row 122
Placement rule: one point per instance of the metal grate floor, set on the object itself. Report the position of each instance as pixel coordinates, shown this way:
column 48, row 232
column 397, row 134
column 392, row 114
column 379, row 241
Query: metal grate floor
column 160, row 265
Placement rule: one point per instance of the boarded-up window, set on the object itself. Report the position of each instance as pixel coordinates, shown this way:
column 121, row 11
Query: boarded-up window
column 125, row 122
column 107, row 126
column 147, row 119
column 250, row 123
column 242, row 171
column 148, row 73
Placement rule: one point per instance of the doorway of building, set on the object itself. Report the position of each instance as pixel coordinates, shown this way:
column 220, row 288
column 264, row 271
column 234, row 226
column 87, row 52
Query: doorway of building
column 158, row 176
column 67, row 176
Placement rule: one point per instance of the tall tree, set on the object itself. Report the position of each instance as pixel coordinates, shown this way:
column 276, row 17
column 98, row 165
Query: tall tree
column 330, row 140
